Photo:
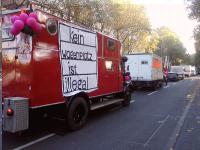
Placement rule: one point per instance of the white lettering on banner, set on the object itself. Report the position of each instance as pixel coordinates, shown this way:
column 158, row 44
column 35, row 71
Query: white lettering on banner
column 78, row 55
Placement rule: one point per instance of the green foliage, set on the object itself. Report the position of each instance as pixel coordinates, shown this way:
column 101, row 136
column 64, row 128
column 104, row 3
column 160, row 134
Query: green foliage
column 194, row 7
column 171, row 46
column 121, row 19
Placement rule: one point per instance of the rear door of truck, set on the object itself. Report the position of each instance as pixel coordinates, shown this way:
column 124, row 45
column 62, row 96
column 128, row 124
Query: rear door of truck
column 132, row 66
column 139, row 66
column 144, row 68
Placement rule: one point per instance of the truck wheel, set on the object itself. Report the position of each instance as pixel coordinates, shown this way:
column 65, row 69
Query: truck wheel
column 154, row 86
column 127, row 97
column 77, row 114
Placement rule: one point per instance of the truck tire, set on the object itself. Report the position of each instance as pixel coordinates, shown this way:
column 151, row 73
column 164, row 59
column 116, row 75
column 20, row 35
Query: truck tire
column 154, row 86
column 77, row 114
column 127, row 97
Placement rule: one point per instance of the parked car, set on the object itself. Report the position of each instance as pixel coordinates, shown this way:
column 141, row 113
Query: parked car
column 173, row 76
column 179, row 70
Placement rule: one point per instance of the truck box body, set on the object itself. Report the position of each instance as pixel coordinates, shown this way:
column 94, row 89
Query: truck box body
column 145, row 70
column 144, row 67
column 187, row 70
column 177, row 69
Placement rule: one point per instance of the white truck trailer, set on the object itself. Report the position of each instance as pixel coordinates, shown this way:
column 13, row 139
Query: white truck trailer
column 145, row 70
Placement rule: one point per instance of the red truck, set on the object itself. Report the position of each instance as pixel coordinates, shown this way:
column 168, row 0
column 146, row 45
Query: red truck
column 62, row 68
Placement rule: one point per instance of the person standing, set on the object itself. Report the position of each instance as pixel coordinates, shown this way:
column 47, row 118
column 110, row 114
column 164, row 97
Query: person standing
column 165, row 75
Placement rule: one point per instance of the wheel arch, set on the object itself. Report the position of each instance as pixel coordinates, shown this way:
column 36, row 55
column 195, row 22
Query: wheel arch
column 80, row 94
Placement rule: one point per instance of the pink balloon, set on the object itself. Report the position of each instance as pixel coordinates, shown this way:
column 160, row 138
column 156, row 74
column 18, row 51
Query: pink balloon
column 127, row 78
column 23, row 17
column 19, row 25
column 31, row 22
column 14, row 31
column 14, row 18
column 37, row 27
column 33, row 15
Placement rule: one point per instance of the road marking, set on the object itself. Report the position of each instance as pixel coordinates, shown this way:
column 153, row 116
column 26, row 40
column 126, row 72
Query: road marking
column 166, row 86
column 152, row 92
column 132, row 101
column 35, row 141
column 156, row 131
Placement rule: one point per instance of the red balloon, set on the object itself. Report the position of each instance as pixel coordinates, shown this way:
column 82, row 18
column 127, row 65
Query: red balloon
column 19, row 25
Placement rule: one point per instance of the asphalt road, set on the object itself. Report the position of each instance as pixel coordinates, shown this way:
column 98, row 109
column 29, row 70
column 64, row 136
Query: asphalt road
column 166, row 119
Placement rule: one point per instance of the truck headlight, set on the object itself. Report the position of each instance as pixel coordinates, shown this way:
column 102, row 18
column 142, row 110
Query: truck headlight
column 52, row 26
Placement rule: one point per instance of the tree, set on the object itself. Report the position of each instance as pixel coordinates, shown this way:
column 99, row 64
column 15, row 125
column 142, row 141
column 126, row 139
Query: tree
column 194, row 7
column 171, row 46
column 123, row 20
column 129, row 24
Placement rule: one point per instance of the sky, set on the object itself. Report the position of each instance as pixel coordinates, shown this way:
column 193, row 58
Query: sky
column 171, row 13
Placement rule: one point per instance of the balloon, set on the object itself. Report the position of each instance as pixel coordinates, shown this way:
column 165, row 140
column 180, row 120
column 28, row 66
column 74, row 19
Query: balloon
column 23, row 17
column 14, row 31
column 19, row 25
column 33, row 15
column 14, row 18
column 127, row 78
column 31, row 22
column 37, row 27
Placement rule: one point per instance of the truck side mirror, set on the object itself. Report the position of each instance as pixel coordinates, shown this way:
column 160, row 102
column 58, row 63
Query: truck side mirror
column 124, row 59
column 127, row 74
